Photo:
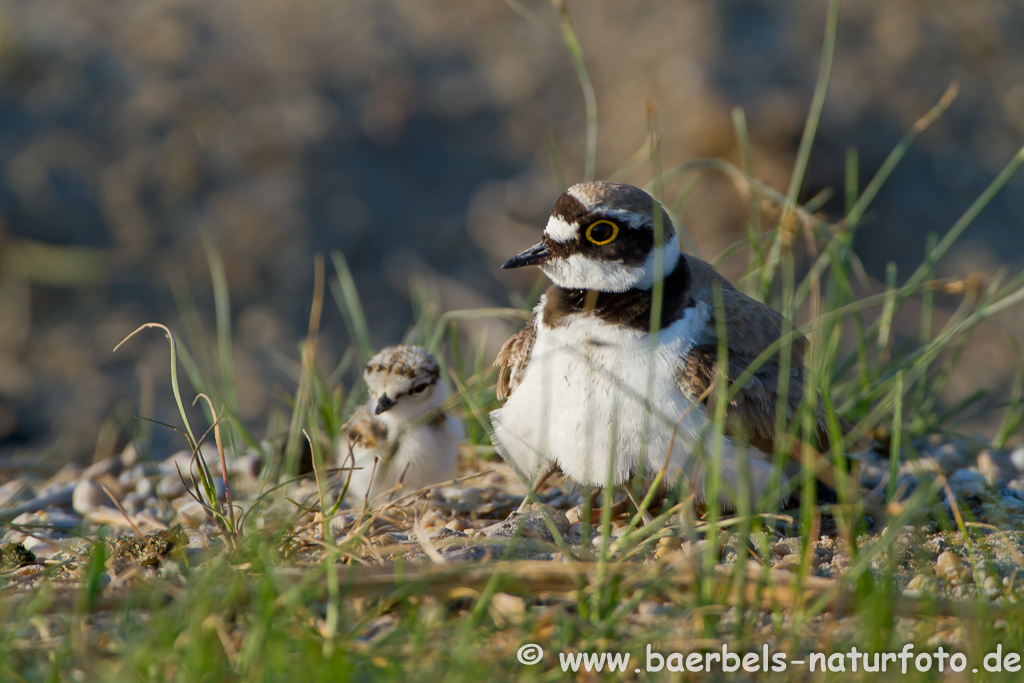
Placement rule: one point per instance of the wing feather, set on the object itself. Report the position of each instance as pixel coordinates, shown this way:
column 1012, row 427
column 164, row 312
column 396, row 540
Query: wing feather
column 751, row 328
column 513, row 358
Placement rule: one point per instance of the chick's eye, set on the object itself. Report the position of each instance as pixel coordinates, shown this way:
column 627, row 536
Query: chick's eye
column 602, row 232
column 418, row 388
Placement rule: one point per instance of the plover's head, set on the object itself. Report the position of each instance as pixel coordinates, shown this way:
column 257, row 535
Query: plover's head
column 404, row 383
column 601, row 236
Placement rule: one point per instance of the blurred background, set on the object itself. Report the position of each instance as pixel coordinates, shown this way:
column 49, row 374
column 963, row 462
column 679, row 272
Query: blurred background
column 425, row 139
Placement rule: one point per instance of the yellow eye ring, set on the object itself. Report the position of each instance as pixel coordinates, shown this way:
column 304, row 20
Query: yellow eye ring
column 607, row 240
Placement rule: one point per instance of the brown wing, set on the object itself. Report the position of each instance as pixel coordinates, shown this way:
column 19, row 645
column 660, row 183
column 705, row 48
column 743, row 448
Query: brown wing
column 751, row 414
column 365, row 431
column 751, row 327
column 512, row 359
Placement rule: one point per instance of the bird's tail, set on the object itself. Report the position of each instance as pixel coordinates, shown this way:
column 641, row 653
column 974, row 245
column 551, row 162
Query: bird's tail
column 744, row 473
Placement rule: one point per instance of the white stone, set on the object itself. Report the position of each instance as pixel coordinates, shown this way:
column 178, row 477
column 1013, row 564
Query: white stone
column 87, row 496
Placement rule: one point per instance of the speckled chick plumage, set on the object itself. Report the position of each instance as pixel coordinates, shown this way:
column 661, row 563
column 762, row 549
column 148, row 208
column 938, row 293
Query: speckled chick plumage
column 401, row 427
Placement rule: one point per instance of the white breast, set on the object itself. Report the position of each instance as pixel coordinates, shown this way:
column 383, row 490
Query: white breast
column 596, row 399
column 426, row 455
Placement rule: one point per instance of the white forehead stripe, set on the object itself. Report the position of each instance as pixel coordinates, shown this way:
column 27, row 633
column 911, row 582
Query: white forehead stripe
column 560, row 231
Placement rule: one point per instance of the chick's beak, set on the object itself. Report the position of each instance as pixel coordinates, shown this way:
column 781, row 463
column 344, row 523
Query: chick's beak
column 534, row 256
column 384, row 404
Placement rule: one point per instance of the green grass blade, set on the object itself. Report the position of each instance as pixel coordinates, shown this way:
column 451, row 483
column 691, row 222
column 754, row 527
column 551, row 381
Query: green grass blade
column 347, row 297
column 222, row 308
column 589, row 99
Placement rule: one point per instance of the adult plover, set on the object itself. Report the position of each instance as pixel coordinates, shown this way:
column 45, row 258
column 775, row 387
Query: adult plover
column 588, row 389
column 402, row 426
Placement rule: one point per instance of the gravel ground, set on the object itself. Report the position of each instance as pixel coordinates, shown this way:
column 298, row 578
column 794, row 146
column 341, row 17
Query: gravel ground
column 476, row 520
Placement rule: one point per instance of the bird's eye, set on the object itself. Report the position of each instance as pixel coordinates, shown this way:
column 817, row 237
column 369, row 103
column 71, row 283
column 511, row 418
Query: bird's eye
column 418, row 388
column 602, row 232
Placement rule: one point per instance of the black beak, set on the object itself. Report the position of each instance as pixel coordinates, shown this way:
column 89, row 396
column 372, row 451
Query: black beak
column 384, row 404
column 534, row 256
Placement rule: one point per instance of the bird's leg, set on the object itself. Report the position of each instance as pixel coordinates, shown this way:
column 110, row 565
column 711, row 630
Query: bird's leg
column 535, row 487
column 645, row 516
column 617, row 509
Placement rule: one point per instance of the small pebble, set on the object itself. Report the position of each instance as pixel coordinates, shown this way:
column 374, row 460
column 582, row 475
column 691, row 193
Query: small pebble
column 906, row 485
column 110, row 466
column 170, row 487
column 51, row 517
column 29, row 570
column 218, row 487
column 390, row 538
column 87, row 496
column 128, row 477
column 181, row 462
column 917, row 583
column 457, row 524
column 650, row 608
column 996, row 467
column 197, row 540
column 505, row 608
column 111, row 484
column 1017, row 458
column 443, row 532
column 430, row 519
column 659, row 552
column 470, row 496
column 790, row 562
column 133, row 502
column 970, row 489
column 966, row 476
column 1013, row 506
column 871, row 476
column 947, row 564
column 130, row 455
column 67, row 475
column 43, row 550
column 531, row 523
column 14, row 492
column 37, row 546
column 670, row 542
column 485, row 524
column 144, row 488
column 786, row 546
column 248, row 468
column 950, row 455
column 450, row 493
column 191, row 514
column 560, row 502
column 340, row 523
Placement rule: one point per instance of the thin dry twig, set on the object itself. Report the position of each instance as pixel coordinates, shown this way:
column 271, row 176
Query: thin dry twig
column 765, row 589
column 127, row 517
